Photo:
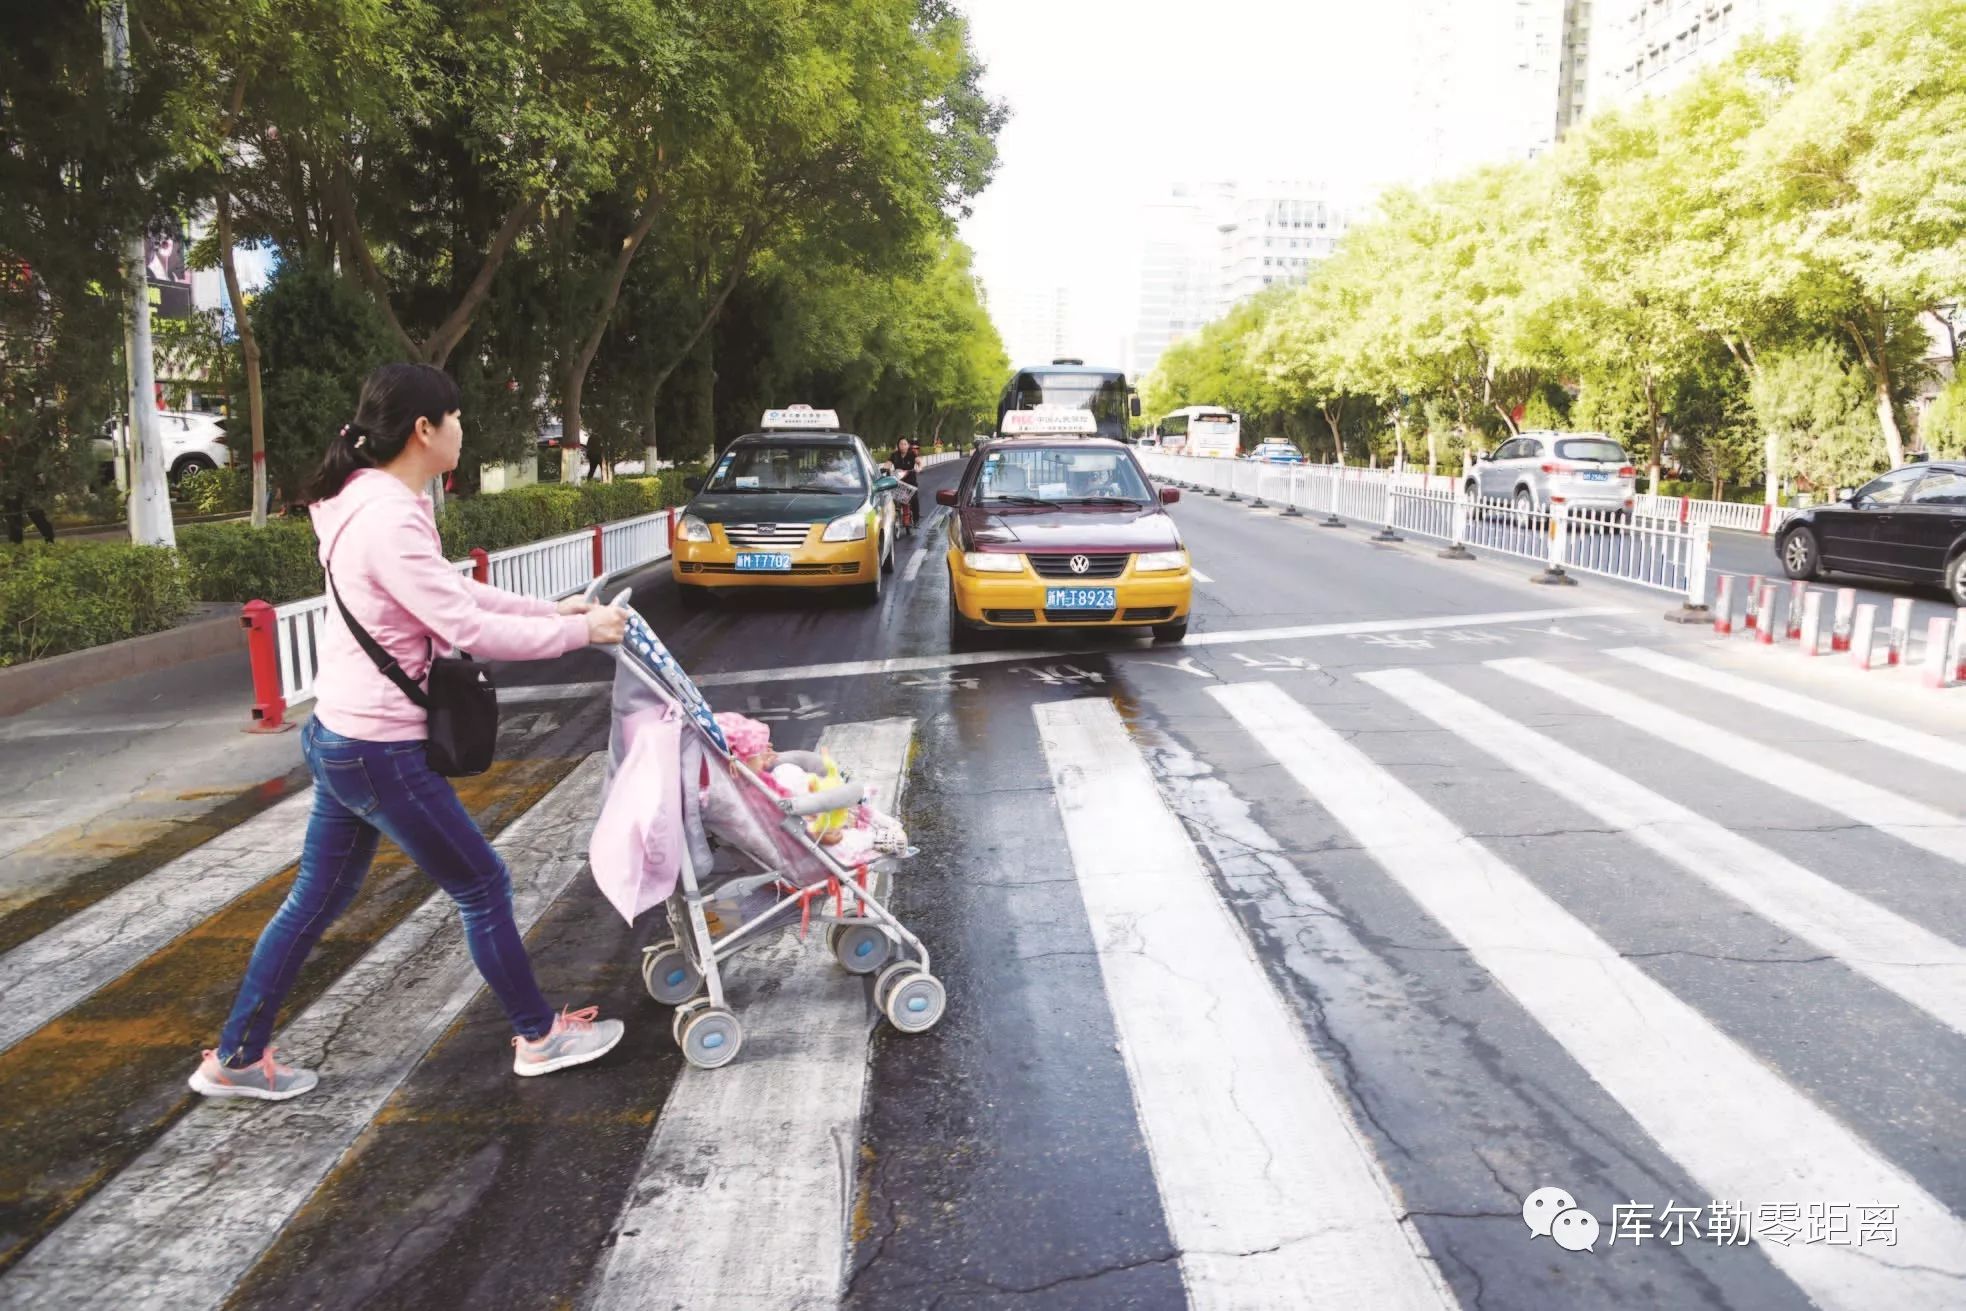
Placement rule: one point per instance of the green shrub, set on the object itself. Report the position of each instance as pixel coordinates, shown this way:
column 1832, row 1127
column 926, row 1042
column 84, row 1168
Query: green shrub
column 238, row 562
column 529, row 514
column 72, row 595
column 217, row 491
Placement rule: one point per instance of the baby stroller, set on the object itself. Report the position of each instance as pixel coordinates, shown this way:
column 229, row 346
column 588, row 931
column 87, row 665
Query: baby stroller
column 749, row 863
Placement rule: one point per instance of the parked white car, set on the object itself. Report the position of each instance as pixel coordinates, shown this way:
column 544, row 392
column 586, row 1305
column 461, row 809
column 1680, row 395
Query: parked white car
column 1586, row 471
column 191, row 441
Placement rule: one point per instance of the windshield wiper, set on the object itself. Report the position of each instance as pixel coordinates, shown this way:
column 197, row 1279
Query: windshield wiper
column 831, row 491
column 999, row 498
column 1105, row 500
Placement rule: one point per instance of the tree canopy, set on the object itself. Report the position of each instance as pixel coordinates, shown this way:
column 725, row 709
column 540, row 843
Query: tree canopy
column 1797, row 205
column 631, row 214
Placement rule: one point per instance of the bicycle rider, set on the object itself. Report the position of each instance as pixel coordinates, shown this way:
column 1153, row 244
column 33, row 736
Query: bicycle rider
column 904, row 459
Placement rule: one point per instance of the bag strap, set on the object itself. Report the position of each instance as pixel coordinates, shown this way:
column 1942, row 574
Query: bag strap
column 387, row 664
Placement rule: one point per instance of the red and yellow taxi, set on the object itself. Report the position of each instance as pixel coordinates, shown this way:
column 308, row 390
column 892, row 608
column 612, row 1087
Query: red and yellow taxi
column 1060, row 531
column 799, row 504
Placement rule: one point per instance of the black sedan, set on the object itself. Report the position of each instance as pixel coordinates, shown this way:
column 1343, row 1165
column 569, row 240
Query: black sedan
column 1910, row 524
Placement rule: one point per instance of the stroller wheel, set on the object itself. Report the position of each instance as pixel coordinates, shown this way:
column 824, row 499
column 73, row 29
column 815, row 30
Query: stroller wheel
column 914, row 1002
column 860, row 948
column 681, row 1017
column 668, row 973
column 712, row 1038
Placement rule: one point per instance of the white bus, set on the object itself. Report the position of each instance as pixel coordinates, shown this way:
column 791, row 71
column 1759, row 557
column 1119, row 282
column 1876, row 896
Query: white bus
column 1205, row 430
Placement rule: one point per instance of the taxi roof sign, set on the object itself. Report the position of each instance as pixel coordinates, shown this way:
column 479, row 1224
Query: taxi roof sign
column 1049, row 419
column 801, row 417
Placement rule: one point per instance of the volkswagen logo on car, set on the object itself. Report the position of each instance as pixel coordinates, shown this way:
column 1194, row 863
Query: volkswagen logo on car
column 1080, row 564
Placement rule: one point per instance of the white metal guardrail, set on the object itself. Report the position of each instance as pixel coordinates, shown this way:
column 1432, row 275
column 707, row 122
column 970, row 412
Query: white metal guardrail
column 1668, row 555
column 1739, row 516
column 284, row 642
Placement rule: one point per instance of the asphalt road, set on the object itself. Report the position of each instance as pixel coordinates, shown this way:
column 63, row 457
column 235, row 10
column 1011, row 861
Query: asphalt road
column 1285, row 968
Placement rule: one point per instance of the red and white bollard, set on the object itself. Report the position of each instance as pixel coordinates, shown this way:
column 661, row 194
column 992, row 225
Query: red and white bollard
column 1723, row 606
column 1765, row 635
column 600, row 554
column 1939, row 654
column 1812, row 623
column 1863, row 636
column 1754, row 604
column 1798, row 598
column 1899, row 637
column 1846, row 614
column 1959, row 648
column 262, row 627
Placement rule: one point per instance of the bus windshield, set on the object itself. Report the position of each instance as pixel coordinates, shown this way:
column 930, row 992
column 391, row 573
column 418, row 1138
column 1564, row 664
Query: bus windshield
column 1102, row 393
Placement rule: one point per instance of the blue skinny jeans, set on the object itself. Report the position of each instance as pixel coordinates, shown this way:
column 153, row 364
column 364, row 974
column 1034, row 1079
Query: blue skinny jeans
column 364, row 791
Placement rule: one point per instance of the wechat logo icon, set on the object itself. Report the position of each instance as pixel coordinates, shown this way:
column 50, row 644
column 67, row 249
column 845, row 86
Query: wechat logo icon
column 1554, row 1213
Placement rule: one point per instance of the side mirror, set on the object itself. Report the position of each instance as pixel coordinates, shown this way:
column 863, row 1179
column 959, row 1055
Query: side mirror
column 1170, row 495
column 946, row 496
column 885, row 484
column 1133, row 406
column 693, row 484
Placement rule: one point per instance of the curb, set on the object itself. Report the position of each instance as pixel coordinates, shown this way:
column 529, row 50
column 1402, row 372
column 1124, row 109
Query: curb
column 22, row 687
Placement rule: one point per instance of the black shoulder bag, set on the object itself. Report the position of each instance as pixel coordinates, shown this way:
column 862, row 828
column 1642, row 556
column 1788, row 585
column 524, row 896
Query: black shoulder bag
column 462, row 701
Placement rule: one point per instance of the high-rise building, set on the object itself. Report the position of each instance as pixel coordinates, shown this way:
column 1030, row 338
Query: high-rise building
column 1486, row 79
column 1273, row 234
column 1208, row 248
column 1644, row 47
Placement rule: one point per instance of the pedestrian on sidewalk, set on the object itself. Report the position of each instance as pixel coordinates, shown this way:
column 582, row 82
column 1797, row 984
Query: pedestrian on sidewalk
column 19, row 490
column 365, row 742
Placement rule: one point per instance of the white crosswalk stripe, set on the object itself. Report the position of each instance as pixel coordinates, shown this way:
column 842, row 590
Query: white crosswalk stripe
column 46, row 975
column 1271, row 1193
column 744, row 1191
column 1868, row 728
column 1912, row 961
column 1909, row 821
column 1729, row 1120
column 182, row 1224
column 1271, row 1186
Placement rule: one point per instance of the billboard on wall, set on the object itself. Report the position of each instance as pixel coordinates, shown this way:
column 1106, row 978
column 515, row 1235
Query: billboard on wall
column 165, row 271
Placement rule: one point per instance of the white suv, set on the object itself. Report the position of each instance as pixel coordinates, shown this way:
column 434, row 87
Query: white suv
column 190, row 440
column 1581, row 470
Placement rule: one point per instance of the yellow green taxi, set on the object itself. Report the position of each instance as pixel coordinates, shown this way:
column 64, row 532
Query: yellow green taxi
column 1063, row 532
column 797, row 505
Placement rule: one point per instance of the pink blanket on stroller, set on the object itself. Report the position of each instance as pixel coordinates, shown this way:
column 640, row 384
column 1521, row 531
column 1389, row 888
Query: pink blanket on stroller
column 636, row 850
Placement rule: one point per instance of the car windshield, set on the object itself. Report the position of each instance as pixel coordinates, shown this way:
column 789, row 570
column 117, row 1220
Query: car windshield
column 788, row 467
column 1052, row 475
column 1591, row 448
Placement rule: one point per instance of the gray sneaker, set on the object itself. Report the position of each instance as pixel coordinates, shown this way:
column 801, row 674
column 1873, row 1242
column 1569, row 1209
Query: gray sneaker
column 265, row 1079
column 576, row 1038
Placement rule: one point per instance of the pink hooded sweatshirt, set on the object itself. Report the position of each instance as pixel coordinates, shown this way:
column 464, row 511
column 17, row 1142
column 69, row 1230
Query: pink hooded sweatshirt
column 390, row 569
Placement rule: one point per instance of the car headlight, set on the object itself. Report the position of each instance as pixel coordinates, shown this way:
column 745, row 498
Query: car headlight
column 853, row 528
column 993, row 562
column 693, row 529
column 1156, row 562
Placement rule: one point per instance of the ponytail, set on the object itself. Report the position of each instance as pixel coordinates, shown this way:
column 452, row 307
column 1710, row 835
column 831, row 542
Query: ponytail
column 394, row 397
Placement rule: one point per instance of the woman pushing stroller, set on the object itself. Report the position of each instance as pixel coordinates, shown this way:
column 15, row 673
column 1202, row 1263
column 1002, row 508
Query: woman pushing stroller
column 365, row 743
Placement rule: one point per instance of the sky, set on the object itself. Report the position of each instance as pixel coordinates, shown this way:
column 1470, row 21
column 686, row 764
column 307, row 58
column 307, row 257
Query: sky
column 1113, row 101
